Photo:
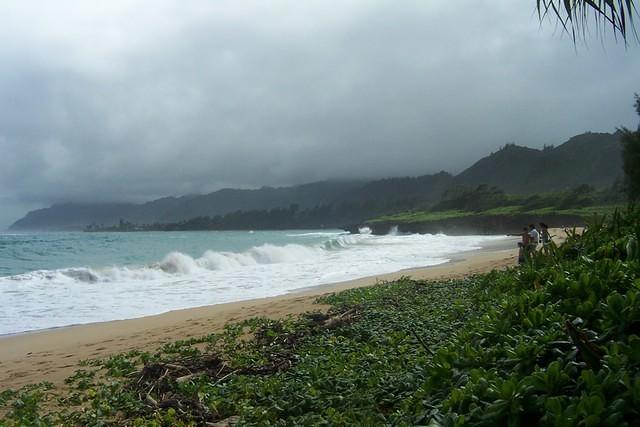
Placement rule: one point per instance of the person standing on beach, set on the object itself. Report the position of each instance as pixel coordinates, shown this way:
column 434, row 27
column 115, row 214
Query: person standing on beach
column 534, row 238
column 544, row 234
column 523, row 245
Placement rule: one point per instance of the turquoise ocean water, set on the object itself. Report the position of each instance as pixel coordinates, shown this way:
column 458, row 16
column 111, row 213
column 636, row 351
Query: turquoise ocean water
column 58, row 279
column 22, row 253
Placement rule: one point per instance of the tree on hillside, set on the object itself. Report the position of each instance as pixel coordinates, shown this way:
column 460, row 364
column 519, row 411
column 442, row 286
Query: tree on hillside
column 574, row 14
column 631, row 158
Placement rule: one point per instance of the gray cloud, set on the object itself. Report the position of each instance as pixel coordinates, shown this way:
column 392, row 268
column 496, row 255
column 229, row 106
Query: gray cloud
column 136, row 100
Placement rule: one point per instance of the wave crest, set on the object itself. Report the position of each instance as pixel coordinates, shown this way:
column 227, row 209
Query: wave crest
column 178, row 263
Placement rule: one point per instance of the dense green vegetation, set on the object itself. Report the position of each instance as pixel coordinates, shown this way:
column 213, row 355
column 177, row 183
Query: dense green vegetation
column 582, row 201
column 421, row 216
column 428, row 216
column 553, row 342
column 591, row 158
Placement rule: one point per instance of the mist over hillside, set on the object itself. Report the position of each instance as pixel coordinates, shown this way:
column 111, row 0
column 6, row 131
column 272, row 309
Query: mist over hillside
column 589, row 158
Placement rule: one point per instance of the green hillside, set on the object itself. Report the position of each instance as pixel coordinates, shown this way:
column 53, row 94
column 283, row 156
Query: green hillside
column 590, row 158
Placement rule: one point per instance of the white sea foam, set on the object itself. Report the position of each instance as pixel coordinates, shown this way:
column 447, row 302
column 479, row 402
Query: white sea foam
column 318, row 234
column 178, row 280
column 364, row 230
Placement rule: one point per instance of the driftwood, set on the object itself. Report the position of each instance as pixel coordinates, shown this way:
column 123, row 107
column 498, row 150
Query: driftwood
column 227, row 422
column 588, row 351
column 156, row 383
column 421, row 341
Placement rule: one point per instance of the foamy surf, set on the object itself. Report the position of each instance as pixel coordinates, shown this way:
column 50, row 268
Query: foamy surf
column 63, row 296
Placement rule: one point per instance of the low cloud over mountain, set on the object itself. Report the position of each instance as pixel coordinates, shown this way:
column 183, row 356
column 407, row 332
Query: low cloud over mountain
column 135, row 100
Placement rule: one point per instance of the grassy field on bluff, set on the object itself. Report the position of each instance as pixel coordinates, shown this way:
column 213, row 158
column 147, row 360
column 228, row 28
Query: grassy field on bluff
column 554, row 342
column 428, row 216
column 583, row 201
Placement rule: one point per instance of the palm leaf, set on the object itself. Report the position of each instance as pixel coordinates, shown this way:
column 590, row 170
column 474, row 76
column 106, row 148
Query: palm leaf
column 575, row 14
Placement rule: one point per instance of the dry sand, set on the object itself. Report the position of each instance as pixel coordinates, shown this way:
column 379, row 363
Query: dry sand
column 53, row 355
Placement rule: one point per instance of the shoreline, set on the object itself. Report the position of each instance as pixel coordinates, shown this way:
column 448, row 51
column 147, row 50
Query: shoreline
column 54, row 354
column 503, row 242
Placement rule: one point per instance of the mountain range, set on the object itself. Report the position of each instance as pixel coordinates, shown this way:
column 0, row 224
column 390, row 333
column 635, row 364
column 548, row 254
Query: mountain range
column 589, row 158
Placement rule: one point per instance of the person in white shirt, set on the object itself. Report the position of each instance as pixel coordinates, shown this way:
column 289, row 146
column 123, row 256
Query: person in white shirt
column 534, row 237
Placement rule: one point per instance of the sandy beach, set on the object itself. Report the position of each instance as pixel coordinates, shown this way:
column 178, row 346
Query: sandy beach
column 53, row 355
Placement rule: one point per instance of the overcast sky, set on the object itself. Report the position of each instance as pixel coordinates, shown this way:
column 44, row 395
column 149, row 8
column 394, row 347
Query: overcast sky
column 140, row 99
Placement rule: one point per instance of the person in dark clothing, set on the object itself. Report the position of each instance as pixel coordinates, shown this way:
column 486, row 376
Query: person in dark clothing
column 523, row 245
column 544, row 234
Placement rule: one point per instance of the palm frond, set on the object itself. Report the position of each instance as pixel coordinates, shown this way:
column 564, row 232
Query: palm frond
column 618, row 15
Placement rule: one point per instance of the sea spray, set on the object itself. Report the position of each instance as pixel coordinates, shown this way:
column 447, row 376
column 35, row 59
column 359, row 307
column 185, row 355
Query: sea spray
column 393, row 230
column 364, row 230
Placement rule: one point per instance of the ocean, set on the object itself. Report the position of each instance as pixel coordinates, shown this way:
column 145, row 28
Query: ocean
column 58, row 279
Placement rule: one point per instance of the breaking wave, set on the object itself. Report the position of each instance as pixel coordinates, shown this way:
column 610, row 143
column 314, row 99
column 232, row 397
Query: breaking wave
column 178, row 263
